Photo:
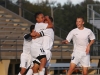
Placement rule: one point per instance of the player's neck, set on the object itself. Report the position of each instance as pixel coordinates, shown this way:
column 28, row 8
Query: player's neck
column 39, row 22
column 81, row 28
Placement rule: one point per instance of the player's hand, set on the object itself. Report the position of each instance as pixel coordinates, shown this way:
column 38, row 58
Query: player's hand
column 37, row 35
column 46, row 17
column 33, row 37
column 88, row 49
column 64, row 42
column 33, row 33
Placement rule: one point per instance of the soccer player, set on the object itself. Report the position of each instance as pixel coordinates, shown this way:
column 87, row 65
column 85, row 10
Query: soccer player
column 48, row 40
column 80, row 36
column 36, row 47
column 26, row 59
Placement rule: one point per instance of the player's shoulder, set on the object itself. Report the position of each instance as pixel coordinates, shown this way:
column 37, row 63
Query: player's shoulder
column 87, row 29
column 75, row 29
column 44, row 23
column 41, row 23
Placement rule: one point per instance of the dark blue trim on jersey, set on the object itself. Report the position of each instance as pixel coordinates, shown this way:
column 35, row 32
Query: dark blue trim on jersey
column 41, row 33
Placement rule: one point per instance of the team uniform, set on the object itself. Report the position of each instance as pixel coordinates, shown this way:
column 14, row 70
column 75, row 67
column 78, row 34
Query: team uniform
column 80, row 40
column 37, row 50
column 48, row 40
column 26, row 58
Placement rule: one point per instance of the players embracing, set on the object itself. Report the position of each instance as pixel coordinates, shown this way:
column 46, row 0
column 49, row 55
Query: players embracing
column 41, row 43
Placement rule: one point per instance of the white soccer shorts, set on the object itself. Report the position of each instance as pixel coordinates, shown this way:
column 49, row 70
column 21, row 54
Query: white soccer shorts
column 35, row 52
column 25, row 60
column 80, row 57
column 48, row 56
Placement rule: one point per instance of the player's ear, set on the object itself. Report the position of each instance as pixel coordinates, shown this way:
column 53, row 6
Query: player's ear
column 83, row 23
column 36, row 19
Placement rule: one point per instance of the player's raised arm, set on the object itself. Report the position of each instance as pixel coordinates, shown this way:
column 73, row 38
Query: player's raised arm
column 50, row 24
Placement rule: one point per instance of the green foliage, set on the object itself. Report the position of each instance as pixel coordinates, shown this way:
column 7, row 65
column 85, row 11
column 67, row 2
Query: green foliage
column 64, row 15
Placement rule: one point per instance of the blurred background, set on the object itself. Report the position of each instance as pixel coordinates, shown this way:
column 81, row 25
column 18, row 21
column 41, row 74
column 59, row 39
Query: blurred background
column 16, row 16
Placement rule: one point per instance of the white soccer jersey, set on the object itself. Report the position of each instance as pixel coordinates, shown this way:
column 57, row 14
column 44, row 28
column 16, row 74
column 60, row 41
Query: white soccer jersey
column 48, row 35
column 48, row 39
column 40, row 26
column 49, row 32
column 26, row 46
column 80, row 38
column 36, row 46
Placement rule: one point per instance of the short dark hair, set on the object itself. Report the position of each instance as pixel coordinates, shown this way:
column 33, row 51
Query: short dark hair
column 80, row 17
column 51, row 18
column 37, row 13
column 32, row 27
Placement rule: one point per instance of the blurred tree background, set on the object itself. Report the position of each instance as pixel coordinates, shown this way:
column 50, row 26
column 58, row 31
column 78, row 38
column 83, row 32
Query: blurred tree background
column 64, row 15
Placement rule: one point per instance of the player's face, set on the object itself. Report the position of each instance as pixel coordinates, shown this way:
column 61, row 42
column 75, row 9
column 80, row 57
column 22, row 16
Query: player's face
column 45, row 21
column 40, row 18
column 79, row 22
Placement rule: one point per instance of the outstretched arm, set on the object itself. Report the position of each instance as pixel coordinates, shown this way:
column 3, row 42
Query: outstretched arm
column 65, row 42
column 68, row 38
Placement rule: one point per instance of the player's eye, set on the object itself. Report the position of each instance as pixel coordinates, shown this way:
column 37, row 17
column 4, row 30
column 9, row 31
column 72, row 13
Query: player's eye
column 42, row 17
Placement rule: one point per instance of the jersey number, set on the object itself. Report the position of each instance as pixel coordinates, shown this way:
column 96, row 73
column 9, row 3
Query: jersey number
column 72, row 58
column 42, row 50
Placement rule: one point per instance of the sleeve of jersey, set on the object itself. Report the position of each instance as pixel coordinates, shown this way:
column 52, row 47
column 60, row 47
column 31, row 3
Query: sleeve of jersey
column 91, row 36
column 69, row 36
column 27, row 37
column 41, row 33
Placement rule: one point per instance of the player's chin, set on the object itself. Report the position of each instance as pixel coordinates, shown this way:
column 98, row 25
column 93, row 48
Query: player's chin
column 33, row 36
